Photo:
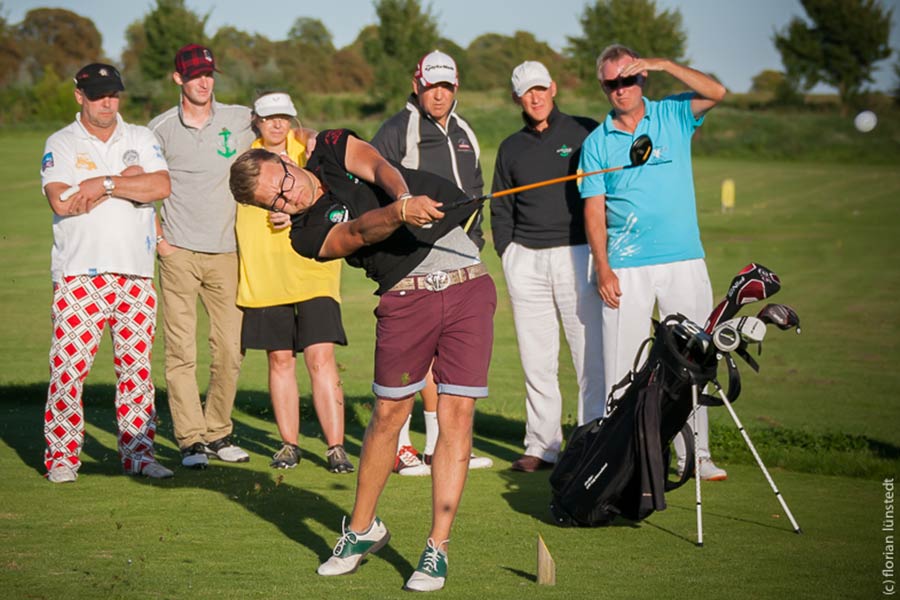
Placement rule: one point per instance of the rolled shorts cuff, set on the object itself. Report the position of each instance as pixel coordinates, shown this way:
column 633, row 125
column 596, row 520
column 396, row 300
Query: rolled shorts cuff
column 466, row 391
column 396, row 393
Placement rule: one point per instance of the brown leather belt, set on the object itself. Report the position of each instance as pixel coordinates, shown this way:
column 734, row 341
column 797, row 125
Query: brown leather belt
column 440, row 280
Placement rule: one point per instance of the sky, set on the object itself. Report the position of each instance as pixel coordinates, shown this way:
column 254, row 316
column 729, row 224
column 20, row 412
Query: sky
column 729, row 38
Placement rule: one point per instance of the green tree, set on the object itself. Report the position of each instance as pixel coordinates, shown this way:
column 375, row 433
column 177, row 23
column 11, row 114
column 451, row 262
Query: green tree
column 405, row 32
column 838, row 44
column 313, row 32
column 10, row 56
column 897, row 82
column 57, row 38
column 638, row 24
column 168, row 27
column 493, row 57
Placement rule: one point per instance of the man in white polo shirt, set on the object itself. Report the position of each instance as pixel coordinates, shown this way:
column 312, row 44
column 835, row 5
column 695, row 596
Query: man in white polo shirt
column 101, row 176
column 200, row 138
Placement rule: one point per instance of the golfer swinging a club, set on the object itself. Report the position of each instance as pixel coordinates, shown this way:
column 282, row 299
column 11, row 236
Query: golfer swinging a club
column 436, row 308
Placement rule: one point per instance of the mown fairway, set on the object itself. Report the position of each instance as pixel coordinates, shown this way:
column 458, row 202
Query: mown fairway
column 824, row 410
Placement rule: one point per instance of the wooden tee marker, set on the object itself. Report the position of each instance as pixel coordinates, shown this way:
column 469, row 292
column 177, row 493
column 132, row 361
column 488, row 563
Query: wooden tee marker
column 546, row 566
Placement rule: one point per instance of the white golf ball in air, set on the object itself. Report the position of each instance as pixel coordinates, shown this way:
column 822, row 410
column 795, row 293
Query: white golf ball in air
column 865, row 121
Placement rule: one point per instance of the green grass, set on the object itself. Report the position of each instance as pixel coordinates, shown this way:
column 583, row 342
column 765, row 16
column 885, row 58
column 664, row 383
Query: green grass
column 823, row 410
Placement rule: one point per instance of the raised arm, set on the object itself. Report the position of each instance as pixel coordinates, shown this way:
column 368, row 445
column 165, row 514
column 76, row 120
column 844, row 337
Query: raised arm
column 709, row 91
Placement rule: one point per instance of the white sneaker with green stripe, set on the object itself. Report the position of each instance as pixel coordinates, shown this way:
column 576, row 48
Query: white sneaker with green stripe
column 432, row 570
column 352, row 547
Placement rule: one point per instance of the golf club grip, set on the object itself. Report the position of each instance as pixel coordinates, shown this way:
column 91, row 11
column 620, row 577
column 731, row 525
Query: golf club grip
column 447, row 206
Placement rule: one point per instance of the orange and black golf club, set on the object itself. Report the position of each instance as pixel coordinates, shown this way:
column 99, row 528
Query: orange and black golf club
column 639, row 153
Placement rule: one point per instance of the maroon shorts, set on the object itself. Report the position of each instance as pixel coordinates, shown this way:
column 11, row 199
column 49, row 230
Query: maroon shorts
column 454, row 328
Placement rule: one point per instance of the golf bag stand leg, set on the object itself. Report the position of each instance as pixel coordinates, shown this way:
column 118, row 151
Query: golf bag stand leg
column 759, row 461
column 694, row 395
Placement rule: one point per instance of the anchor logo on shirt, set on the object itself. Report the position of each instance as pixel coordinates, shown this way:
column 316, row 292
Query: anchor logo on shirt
column 228, row 152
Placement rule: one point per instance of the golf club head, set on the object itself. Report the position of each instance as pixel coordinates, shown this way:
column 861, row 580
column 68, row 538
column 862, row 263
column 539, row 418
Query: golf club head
column 781, row 316
column 729, row 335
column 640, row 151
column 754, row 283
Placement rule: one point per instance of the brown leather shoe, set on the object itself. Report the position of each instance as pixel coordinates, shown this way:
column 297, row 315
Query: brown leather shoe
column 530, row 464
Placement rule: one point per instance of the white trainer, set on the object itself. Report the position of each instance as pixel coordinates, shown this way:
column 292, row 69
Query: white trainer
column 475, row 462
column 352, row 547
column 408, row 463
column 710, row 472
column 225, row 450
column 62, row 473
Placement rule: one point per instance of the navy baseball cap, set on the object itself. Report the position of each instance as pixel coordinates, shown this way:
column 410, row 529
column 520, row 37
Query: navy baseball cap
column 194, row 60
column 98, row 79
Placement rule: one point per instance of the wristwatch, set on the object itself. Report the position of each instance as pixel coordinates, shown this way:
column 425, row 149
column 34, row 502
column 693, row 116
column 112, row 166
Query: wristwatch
column 108, row 185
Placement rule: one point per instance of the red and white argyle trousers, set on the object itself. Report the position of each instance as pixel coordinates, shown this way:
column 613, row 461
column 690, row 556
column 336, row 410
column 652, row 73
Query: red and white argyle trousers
column 82, row 307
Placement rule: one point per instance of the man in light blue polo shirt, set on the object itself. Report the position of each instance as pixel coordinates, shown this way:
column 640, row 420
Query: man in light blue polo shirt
column 642, row 223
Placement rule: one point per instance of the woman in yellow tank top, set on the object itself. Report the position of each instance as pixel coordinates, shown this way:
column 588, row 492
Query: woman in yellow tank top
column 291, row 304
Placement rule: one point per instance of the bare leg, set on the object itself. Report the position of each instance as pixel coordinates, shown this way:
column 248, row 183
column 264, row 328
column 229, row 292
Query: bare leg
column 377, row 459
column 450, row 464
column 283, row 390
column 327, row 393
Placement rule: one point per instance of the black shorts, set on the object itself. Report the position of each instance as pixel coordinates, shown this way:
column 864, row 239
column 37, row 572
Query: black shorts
column 293, row 326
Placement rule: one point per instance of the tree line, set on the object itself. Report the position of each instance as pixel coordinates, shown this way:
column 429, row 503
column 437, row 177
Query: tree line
column 838, row 42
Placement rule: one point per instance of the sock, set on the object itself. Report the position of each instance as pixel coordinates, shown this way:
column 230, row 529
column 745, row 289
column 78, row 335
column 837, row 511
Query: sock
column 404, row 440
column 431, row 431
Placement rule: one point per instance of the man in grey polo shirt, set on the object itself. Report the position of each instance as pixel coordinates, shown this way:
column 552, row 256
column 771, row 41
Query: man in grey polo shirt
column 200, row 138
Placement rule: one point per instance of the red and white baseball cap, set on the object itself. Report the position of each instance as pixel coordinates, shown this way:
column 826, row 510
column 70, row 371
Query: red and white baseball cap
column 193, row 60
column 436, row 67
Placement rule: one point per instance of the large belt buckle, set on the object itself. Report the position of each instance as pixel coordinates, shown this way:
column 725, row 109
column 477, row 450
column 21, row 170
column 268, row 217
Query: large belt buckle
column 437, row 281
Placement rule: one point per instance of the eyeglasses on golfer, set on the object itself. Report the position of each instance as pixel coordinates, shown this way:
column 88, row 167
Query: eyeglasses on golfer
column 612, row 85
column 287, row 184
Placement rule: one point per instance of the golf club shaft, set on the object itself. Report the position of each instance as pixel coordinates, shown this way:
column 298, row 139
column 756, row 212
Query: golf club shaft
column 531, row 186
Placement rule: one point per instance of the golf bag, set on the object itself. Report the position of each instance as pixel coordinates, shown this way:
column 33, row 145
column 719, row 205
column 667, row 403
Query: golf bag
column 615, row 465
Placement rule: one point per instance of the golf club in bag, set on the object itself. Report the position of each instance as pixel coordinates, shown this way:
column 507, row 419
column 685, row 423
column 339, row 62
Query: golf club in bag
column 614, row 465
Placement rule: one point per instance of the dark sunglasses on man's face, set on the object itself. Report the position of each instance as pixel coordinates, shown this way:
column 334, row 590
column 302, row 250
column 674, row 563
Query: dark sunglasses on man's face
column 621, row 82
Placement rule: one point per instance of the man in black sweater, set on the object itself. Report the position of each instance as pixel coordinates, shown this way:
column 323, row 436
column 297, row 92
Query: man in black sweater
column 540, row 237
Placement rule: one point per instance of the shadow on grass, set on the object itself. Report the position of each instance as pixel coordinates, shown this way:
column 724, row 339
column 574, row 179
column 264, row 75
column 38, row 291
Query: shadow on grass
column 290, row 508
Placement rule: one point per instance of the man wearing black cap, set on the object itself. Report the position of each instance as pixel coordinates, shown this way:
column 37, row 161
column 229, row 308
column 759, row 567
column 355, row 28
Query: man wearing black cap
column 200, row 138
column 101, row 176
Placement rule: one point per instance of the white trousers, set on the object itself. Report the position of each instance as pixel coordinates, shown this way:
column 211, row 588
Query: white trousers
column 547, row 286
column 677, row 287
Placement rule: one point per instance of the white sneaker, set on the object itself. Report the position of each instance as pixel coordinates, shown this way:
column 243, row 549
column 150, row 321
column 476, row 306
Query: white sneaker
column 352, row 547
column 225, row 450
column 194, row 456
column 155, row 470
column 62, row 473
column 480, row 462
column 475, row 462
column 407, row 462
column 710, row 472
column 431, row 573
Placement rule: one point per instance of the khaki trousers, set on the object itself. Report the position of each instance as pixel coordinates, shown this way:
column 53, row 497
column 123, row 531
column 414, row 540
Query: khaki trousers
column 184, row 276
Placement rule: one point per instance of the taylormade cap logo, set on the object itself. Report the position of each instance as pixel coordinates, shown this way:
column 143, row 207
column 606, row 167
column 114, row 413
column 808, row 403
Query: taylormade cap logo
column 436, row 67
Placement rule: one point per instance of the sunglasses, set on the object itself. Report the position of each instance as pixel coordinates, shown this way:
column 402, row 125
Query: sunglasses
column 622, row 82
column 287, row 184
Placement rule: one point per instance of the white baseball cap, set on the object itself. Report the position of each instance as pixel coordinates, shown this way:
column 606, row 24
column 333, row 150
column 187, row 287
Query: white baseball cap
column 530, row 74
column 436, row 67
column 276, row 103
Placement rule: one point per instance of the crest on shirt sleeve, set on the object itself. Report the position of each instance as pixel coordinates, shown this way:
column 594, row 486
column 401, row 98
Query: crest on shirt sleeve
column 131, row 157
column 47, row 162
column 337, row 213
